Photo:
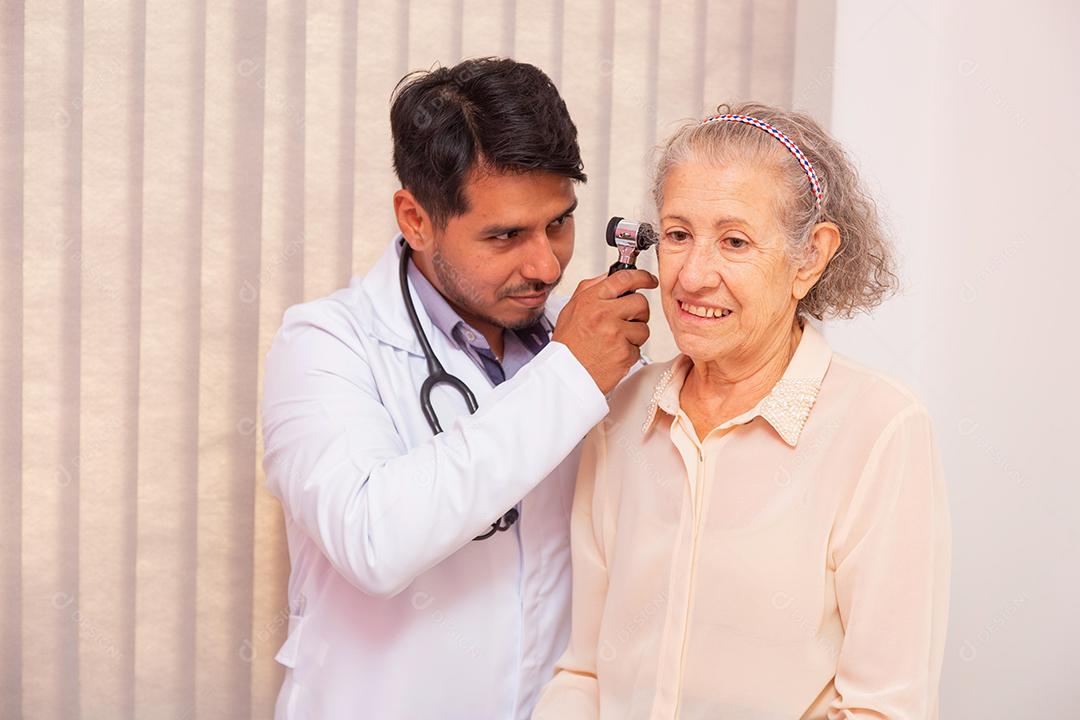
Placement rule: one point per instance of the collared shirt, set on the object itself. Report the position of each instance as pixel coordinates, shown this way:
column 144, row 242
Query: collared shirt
column 519, row 346
column 793, row 564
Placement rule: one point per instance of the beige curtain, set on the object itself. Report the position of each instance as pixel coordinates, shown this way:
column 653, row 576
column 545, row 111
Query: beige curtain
column 174, row 175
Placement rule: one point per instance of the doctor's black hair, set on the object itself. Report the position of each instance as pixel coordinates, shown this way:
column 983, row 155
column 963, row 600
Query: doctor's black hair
column 491, row 113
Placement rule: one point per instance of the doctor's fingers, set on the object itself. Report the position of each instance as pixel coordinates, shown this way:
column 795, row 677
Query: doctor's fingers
column 636, row 333
column 588, row 283
column 634, row 306
column 625, row 281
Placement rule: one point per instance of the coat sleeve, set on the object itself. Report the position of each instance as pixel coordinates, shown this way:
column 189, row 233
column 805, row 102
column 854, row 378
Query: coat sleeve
column 382, row 513
column 573, row 694
column 892, row 559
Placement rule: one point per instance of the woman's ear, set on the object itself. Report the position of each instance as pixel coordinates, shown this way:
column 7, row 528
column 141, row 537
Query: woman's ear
column 413, row 221
column 824, row 243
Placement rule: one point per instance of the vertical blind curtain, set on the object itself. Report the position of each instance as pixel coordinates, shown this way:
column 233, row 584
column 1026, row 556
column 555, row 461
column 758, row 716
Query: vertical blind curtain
column 174, row 175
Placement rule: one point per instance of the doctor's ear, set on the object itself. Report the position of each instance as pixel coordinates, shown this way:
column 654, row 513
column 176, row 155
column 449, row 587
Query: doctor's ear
column 413, row 221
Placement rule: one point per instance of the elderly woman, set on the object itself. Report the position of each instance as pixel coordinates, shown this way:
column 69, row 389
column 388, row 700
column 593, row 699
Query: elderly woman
column 760, row 528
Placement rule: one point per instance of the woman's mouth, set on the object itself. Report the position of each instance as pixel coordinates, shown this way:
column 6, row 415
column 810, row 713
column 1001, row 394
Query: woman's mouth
column 699, row 313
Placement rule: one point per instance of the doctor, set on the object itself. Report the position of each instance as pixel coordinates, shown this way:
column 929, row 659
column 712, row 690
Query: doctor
column 430, row 570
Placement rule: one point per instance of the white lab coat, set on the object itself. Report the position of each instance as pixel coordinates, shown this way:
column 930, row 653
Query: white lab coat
column 394, row 613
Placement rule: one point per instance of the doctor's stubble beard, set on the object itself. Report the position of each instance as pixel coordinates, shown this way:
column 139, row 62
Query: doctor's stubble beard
column 461, row 291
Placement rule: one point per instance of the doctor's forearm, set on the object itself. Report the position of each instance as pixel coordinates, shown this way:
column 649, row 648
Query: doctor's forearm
column 407, row 513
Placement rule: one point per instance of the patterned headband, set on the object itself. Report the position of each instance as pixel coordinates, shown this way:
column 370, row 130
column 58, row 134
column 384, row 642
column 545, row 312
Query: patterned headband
column 791, row 146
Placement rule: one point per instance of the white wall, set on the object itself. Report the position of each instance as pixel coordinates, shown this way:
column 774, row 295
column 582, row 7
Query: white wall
column 963, row 116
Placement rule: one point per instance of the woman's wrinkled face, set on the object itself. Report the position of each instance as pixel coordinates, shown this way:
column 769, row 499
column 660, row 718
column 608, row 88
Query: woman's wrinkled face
column 726, row 278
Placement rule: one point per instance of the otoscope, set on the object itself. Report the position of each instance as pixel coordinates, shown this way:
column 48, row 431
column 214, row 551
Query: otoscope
column 629, row 237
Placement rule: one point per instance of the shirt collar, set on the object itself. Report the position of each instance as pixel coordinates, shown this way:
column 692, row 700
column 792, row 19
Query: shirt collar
column 786, row 407
column 446, row 319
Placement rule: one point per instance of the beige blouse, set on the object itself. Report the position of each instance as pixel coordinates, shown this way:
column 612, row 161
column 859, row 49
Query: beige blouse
column 795, row 564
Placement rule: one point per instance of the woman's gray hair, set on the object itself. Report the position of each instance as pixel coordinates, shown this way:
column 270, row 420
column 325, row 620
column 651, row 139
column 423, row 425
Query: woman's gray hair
column 861, row 273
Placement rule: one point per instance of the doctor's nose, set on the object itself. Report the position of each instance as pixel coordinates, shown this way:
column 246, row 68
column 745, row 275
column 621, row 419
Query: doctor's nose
column 541, row 264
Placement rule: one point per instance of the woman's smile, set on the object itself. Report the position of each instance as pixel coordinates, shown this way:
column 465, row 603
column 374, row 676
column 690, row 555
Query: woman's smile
column 690, row 312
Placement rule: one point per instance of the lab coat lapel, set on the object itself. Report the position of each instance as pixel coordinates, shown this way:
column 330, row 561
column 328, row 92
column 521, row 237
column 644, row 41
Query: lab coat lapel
column 389, row 318
column 390, row 325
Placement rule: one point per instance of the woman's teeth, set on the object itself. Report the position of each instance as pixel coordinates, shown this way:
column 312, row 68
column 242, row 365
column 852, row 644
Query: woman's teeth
column 705, row 312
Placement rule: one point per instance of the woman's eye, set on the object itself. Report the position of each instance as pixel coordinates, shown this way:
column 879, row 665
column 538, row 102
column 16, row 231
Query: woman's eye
column 677, row 236
column 737, row 243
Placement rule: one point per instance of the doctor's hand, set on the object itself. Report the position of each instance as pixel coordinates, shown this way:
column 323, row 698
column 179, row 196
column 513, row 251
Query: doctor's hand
column 604, row 327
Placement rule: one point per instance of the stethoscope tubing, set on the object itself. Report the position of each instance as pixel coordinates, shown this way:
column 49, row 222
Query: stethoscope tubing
column 437, row 375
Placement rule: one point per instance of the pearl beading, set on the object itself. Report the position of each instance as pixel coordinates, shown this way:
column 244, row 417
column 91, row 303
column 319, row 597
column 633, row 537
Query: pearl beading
column 786, row 407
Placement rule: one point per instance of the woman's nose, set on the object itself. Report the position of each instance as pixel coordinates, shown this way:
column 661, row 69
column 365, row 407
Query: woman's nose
column 700, row 270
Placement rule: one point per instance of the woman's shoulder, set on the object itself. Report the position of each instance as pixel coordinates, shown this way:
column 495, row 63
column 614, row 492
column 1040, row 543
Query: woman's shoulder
column 635, row 392
column 871, row 397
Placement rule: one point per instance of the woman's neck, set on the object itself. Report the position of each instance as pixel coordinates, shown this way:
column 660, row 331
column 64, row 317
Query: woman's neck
column 717, row 390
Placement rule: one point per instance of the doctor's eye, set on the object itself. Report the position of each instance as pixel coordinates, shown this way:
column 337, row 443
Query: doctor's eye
column 506, row 235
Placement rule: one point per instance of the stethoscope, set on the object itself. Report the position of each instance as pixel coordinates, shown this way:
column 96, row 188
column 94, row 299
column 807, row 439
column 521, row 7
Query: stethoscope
column 437, row 375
